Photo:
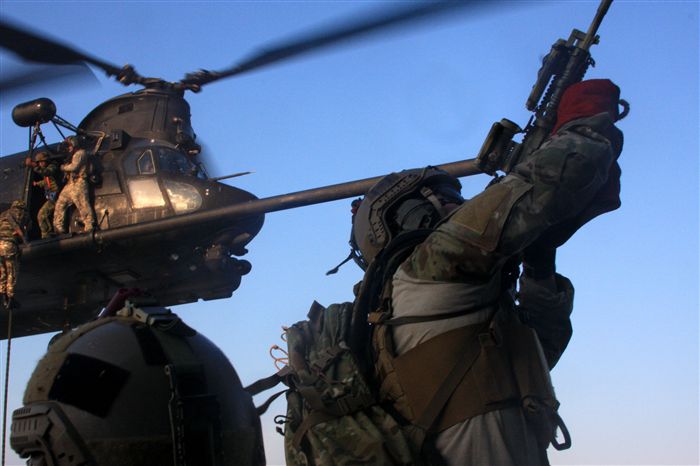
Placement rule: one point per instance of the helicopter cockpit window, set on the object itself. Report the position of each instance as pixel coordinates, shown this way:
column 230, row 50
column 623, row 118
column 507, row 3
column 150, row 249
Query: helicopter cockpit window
column 173, row 161
column 145, row 192
column 145, row 163
column 183, row 197
column 139, row 162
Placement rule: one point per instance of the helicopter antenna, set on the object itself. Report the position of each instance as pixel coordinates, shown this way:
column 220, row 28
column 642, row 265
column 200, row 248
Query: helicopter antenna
column 226, row 177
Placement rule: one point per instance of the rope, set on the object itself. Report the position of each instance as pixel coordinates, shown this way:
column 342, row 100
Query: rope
column 284, row 360
column 7, row 381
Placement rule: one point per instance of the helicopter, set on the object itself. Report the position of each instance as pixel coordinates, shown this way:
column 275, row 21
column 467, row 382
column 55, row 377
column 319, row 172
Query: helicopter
column 151, row 192
column 462, row 106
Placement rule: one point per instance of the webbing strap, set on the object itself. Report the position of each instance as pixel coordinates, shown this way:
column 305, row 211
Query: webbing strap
column 342, row 407
column 329, row 355
column 559, row 422
column 426, row 420
column 309, row 421
column 384, row 318
column 268, row 382
column 260, row 410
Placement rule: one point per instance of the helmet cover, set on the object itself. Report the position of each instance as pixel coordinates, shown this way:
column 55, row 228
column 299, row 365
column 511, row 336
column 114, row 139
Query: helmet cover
column 137, row 389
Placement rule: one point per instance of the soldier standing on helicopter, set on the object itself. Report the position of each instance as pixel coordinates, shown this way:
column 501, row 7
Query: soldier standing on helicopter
column 76, row 190
column 13, row 223
column 48, row 171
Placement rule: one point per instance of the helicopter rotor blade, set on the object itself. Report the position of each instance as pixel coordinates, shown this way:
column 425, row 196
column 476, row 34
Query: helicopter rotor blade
column 353, row 29
column 33, row 47
column 78, row 73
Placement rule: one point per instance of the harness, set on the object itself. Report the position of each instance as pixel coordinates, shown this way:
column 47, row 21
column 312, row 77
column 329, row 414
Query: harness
column 464, row 372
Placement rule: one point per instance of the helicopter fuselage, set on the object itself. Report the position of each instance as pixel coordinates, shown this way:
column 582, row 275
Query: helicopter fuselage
column 144, row 171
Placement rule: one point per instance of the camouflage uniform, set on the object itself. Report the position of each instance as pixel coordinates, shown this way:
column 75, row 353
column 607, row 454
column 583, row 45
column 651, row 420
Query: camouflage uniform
column 75, row 192
column 458, row 267
column 12, row 224
column 49, row 175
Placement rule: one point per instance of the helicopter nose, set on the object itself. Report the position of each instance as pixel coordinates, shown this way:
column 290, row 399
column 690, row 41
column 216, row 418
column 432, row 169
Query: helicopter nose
column 235, row 233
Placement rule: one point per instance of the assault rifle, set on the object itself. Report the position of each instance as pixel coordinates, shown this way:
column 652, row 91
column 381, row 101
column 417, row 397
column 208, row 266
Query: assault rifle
column 566, row 64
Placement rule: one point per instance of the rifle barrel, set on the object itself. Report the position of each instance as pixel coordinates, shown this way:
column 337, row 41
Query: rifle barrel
column 595, row 24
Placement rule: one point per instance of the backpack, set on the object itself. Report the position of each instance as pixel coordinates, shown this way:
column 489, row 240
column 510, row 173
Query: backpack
column 333, row 416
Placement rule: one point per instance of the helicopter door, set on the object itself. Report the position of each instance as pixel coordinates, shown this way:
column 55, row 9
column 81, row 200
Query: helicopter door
column 110, row 201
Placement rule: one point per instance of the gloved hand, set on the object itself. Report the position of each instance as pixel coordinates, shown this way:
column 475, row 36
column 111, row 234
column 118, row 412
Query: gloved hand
column 539, row 260
column 605, row 200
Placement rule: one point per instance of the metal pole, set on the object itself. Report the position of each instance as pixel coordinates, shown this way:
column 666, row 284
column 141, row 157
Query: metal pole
column 232, row 212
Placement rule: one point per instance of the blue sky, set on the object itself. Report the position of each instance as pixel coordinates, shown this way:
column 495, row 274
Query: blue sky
column 628, row 382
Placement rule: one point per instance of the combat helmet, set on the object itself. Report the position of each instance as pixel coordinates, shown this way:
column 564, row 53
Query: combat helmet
column 399, row 202
column 41, row 157
column 138, row 388
column 75, row 142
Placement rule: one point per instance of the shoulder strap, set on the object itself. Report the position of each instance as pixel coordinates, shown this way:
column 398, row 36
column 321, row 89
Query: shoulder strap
column 384, row 318
column 472, row 349
column 371, row 290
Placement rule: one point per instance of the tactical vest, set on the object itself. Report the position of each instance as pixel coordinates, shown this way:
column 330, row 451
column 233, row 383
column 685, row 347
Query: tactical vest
column 459, row 374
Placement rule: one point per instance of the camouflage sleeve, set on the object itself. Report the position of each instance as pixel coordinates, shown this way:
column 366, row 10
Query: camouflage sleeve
column 51, row 172
column 42, row 181
column 10, row 227
column 554, row 183
column 39, row 171
column 7, row 231
column 548, row 312
column 77, row 161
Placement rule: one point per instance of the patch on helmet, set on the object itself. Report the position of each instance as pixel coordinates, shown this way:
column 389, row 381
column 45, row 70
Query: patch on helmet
column 88, row 383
